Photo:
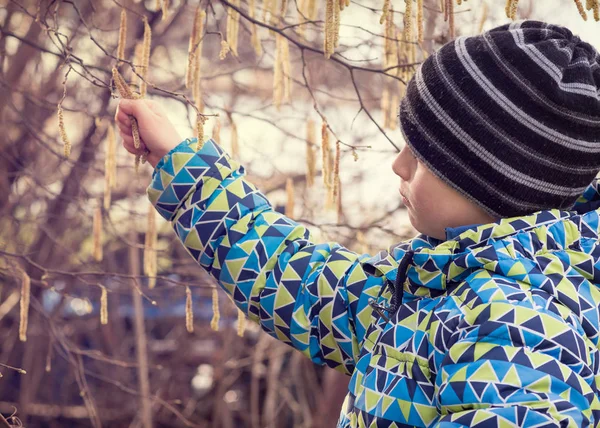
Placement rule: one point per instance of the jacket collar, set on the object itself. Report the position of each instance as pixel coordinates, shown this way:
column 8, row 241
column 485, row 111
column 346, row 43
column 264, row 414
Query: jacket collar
column 435, row 262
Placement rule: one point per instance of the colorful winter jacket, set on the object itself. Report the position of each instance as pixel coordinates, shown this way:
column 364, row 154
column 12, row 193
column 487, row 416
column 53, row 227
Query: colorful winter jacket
column 495, row 327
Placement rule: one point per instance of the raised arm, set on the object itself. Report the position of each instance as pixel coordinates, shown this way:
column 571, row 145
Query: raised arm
column 312, row 296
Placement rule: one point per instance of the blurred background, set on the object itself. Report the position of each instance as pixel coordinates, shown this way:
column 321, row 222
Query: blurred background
column 93, row 287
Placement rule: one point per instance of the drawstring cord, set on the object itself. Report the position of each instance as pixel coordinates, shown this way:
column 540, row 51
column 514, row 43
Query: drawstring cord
column 397, row 289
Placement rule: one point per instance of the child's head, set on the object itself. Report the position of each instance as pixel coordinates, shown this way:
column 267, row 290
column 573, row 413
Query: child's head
column 500, row 125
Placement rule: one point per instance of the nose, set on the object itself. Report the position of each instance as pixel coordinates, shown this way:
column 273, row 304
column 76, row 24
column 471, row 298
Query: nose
column 402, row 164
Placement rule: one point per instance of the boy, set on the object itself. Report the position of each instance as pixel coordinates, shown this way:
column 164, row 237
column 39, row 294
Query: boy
column 491, row 316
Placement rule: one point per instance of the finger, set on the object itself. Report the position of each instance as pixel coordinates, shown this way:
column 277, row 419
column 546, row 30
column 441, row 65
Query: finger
column 123, row 118
column 129, row 144
column 124, row 128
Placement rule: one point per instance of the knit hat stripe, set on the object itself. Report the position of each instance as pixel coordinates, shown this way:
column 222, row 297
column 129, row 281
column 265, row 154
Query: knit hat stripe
column 541, row 97
column 478, row 150
column 549, row 66
column 541, row 129
column 499, row 141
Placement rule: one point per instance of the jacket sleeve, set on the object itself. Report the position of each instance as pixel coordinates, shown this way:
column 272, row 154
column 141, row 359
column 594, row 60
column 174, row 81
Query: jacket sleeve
column 313, row 297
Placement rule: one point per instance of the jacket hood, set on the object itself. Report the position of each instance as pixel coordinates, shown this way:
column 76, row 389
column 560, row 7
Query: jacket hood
column 552, row 250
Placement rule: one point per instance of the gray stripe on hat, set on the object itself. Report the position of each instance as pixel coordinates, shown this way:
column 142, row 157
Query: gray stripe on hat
column 498, row 132
column 532, row 90
column 551, row 69
column 517, row 113
column 494, row 162
column 459, row 163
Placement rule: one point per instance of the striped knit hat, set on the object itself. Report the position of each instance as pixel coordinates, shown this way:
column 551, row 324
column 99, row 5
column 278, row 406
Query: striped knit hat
column 509, row 118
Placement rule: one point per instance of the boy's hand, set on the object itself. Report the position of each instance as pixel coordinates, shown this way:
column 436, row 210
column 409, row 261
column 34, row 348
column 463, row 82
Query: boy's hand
column 157, row 133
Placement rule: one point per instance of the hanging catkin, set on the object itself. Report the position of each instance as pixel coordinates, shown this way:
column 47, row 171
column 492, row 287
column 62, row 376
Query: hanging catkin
column 214, row 322
column 97, row 234
column 329, row 39
column 386, row 7
column 408, row 34
column 289, row 191
column 325, row 154
column 224, row 49
column 311, row 158
column 24, row 304
column 241, row 323
column 195, row 46
column 596, row 7
column 255, row 39
column 147, row 46
column 200, row 119
column 122, row 35
column 63, row 133
column 336, row 24
column 581, row 10
column 165, row 9
column 109, row 165
column 150, row 248
column 281, row 72
column 233, row 20
column 189, row 312
column 336, row 172
column 216, row 132
column 126, row 92
column 451, row 18
column 420, row 20
column 235, row 147
column 104, row 306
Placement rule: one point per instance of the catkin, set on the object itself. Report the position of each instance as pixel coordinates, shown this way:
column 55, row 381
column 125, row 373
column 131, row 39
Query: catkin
column 386, row 7
column 289, row 190
column 581, row 9
column 328, row 42
column 281, row 72
column 255, row 39
column 224, row 49
column 126, row 92
column 233, row 23
column 214, row 322
column 451, row 18
column 216, row 132
column 24, row 305
column 165, row 9
column 150, row 255
column 310, row 153
column 507, row 7
column 241, row 323
column 408, row 21
column 97, row 234
column 189, row 312
column 340, row 209
column 63, row 132
column 325, row 153
column 596, row 7
column 336, row 24
column 195, row 46
column 235, row 147
column 336, row 172
column 200, row 131
column 104, row 307
column 513, row 9
column 122, row 35
column 109, row 165
column 420, row 20
column 145, row 56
